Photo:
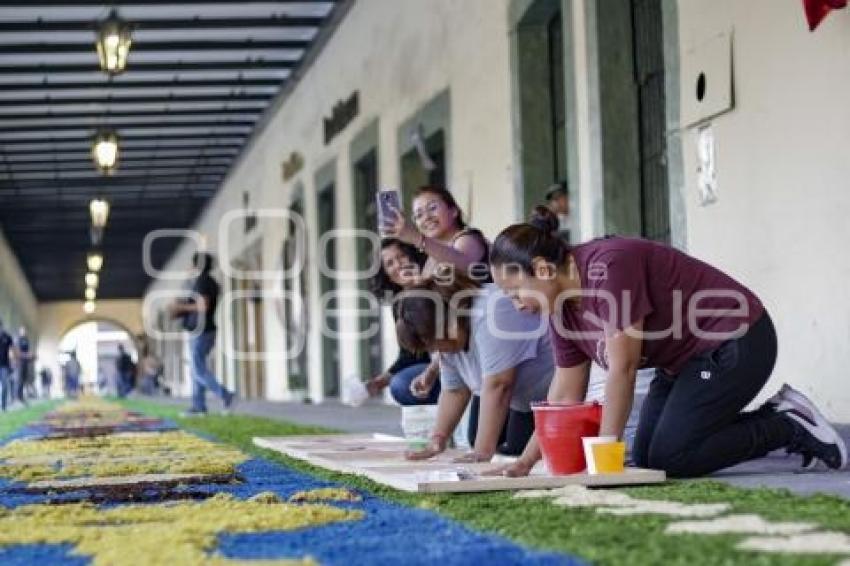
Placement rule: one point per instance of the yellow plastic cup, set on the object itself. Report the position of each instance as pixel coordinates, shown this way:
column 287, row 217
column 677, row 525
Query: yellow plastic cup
column 610, row 457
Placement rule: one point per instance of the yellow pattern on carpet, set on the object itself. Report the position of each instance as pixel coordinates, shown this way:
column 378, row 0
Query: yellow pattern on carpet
column 172, row 452
column 164, row 534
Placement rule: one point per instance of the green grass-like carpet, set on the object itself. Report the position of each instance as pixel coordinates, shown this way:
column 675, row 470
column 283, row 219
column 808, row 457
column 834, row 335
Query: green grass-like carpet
column 10, row 421
column 600, row 539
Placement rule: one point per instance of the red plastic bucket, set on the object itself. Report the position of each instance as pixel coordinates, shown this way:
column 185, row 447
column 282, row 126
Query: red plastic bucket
column 559, row 428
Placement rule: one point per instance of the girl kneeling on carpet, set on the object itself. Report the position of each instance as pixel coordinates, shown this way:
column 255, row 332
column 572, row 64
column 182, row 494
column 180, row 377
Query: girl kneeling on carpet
column 711, row 338
column 498, row 359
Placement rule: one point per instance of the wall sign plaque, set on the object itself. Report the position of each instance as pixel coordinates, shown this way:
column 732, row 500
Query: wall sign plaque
column 343, row 113
column 293, row 164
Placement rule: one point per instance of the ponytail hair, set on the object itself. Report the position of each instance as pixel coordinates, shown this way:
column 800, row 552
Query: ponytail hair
column 434, row 309
column 519, row 244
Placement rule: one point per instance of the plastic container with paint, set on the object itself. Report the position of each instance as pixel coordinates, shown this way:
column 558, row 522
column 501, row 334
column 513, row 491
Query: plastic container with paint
column 560, row 428
column 417, row 422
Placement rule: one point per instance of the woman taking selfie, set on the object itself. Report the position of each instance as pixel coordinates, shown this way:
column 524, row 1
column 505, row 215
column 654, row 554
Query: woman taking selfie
column 437, row 229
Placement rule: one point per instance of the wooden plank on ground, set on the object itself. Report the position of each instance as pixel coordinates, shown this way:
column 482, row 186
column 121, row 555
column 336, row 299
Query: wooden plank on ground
column 382, row 461
column 432, row 482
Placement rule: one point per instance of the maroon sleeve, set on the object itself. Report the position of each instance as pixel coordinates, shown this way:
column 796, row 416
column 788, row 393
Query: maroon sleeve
column 619, row 277
column 565, row 352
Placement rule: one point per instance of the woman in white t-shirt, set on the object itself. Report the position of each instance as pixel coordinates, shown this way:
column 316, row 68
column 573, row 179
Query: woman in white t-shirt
column 491, row 355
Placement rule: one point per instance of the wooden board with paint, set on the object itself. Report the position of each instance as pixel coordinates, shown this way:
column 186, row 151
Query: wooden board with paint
column 380, row 458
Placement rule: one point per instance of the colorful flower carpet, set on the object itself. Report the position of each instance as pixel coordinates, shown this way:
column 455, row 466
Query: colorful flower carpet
column 94, row 483
column 100, row 483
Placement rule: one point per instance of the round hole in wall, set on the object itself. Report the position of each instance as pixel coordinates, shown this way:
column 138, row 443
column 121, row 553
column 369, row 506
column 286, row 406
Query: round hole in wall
column 701, row 87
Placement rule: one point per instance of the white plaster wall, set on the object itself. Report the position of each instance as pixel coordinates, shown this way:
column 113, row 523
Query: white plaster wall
column 15, row 291
column 398, row 55
column 781, row 222
column 57, row 318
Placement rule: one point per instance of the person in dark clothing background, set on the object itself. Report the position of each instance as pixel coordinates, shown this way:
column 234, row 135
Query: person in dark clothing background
column 126, row 370
column 46, row 381
column 198, row 316
column 6, row 344
column 24, row 357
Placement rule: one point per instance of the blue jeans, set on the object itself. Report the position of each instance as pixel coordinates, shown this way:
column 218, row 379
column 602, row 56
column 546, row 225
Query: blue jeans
column 5, row 373
column 125, row 384
column 400, row 387
column 202, row 377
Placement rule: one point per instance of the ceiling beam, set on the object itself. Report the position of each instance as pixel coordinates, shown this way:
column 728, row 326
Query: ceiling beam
column 60, row 169
column 99, row 3
column 93, row 127
column 46, row 99
column 80, row 196
column 54, row 69
column 270, row 21
column 177, row 46
column 125, row 160
column 115, row 180
column 234, row 84
column 127, row 154
column 107, row 114
column 230, row 141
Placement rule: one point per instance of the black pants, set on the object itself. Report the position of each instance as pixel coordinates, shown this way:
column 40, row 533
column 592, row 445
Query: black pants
column 20, row 384
column 519, row 427
column 692, row 424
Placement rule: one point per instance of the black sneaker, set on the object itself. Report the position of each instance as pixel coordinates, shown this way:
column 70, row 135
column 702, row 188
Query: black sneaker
column 229, row 401
column 814, row 437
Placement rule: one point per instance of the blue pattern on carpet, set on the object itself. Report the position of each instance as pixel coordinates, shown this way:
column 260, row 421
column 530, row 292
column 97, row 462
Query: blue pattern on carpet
column 389, row 532
column 30, row 554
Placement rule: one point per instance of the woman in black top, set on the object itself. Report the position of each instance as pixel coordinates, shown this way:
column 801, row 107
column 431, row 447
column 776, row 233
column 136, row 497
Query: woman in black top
column 400, row 267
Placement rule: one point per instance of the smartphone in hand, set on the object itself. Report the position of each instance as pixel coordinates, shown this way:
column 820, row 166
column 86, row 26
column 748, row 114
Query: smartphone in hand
column 388, row 200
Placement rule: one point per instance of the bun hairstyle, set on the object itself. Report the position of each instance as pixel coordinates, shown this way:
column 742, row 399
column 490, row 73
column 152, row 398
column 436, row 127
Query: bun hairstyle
column 445, row 196
column 519, row 244
column 425, row 311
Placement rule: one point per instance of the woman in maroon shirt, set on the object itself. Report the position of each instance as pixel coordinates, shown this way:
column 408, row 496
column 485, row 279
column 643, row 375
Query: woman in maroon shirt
column 629, row 303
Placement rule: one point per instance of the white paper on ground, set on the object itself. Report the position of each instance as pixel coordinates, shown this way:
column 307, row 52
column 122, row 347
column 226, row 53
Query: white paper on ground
column 354, row 392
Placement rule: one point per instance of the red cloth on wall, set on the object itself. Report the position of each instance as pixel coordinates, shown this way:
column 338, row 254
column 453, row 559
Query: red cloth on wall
column 817, row 10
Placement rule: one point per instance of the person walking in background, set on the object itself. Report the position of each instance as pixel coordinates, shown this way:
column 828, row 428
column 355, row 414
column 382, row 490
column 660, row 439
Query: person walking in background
column 198, row 317
column 126, row 369
column 72, row 376
column 46, row 377
column 6, row 344
column 151, row 367
column 24, row 357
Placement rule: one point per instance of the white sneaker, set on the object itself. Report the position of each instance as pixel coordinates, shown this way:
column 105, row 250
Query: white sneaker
column 817, row 439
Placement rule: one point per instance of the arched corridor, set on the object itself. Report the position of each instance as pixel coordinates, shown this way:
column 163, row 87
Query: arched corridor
column 95, row 344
